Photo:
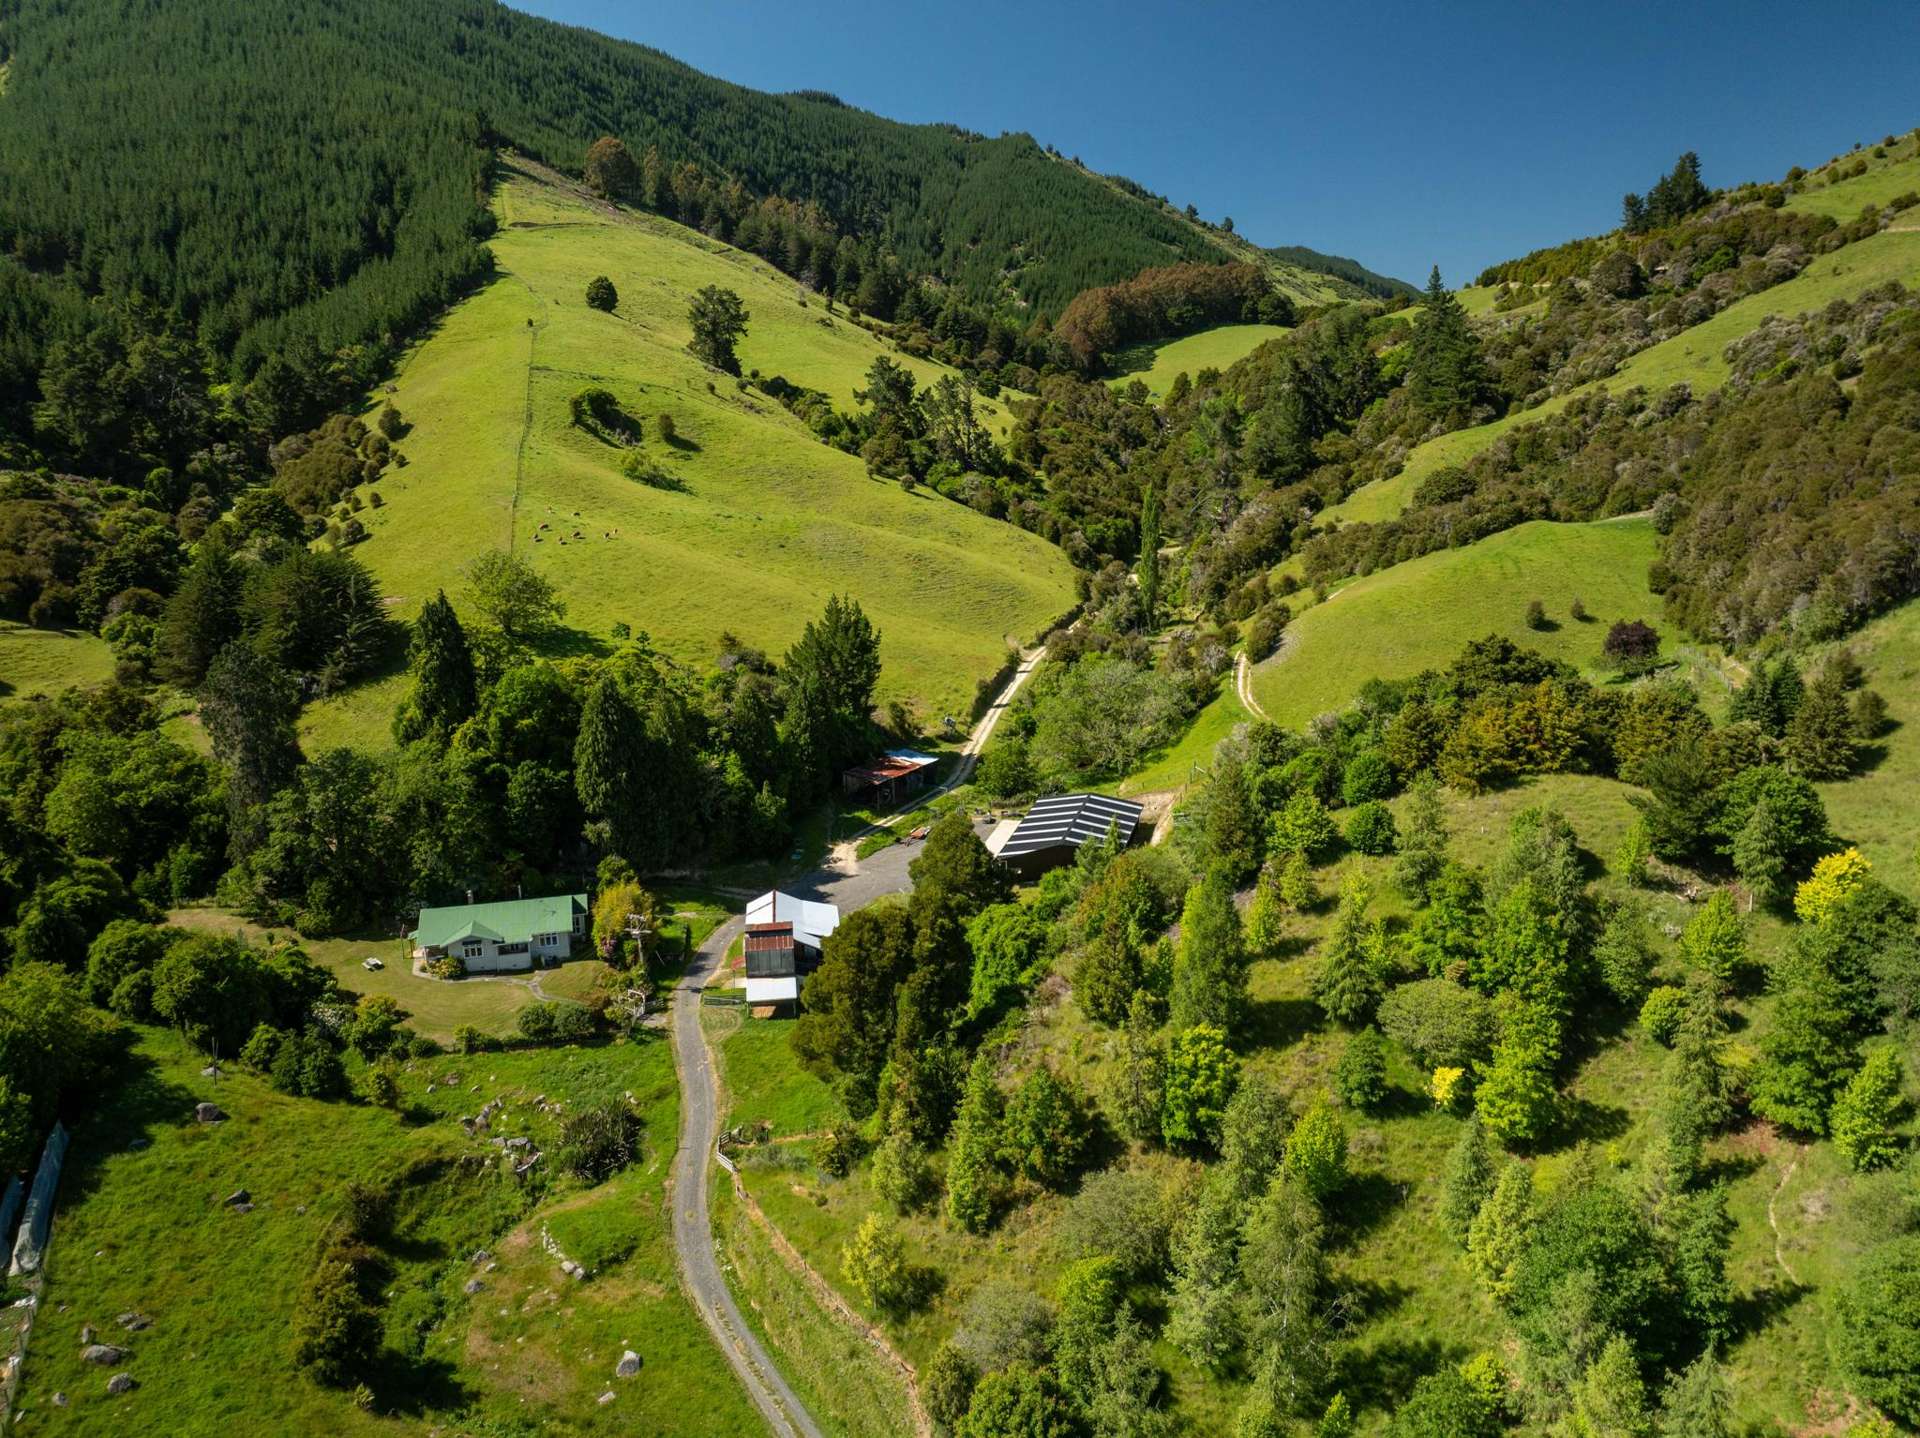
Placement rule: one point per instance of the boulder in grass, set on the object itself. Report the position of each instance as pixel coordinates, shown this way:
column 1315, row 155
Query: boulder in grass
column 628, row 1366
column 120, row 1383
column 59, row 1400
column 134, row 1322
column 606, row 1398
column 104, row 1354
column 209, row 1113
column 237, row 1198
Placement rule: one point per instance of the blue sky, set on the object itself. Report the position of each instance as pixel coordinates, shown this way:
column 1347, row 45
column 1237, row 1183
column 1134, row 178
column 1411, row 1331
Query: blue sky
column 1401, row 134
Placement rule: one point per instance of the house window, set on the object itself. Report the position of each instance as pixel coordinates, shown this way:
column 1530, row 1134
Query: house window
column 579, row 925
column 471, row 949
column 513, row 948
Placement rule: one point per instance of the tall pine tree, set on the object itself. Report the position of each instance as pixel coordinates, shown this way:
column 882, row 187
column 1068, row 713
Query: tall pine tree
column 1446, row 372
column 444, row 690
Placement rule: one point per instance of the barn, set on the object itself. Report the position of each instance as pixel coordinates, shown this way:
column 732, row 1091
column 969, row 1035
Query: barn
column 1052, row 832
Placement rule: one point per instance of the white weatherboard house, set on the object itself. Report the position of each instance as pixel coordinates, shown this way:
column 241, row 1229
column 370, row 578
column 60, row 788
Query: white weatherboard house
column 783, row 942
column 503, row 937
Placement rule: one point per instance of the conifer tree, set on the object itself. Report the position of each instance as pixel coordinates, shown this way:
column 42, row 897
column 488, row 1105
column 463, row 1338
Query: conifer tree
column 247, row 707
column 1501, row 1231
column 1284, row 1268
column 1612, row 1397
column 1714, row 940
column 972, row 1182
column 1361, row 1077
column 1807, row 1054
column 1348, row 984
column 1232, row 826
column 1695, row 1402
column 1210, row 969
column 444, row 689
column 1204, row 1320
column 1469, row 1179
column 1423, row 842
column 1820, row 740
column 1266, row 916
column 202, row 617
column 609, row 762
column 1139, row 1082
column 1446, row 372
column 1623, row 954
column 1866, row 1114
column 1760, row 855
column 1294, row 883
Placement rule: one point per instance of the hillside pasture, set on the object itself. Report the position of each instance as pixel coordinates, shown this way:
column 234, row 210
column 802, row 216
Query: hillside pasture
column 145, row 1230
column 1695, row 357
column 1156, row 364
column 1420, row 614
column 757, row 522
column 35, row 662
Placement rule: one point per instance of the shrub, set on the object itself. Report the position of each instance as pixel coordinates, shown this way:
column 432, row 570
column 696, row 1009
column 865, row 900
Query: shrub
column 901, row 1174
column 1865, row 1114
column 556, row 1021
column 469, row 1040
column 1833, row 878
column 1631, row 646
column 1439, row 1022
column 1536, row 614
column 874, row 1261
column 1370, row 829
column 1662, row 1013
column 601, row 295
column 1317, row 1152
column 336, row 1332
column 597, row 1142
column 1876, row 1337
column 664, row 427
column 1367, row 776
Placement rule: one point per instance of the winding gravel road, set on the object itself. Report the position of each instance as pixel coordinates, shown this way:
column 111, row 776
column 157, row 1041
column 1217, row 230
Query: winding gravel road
column 851, row 887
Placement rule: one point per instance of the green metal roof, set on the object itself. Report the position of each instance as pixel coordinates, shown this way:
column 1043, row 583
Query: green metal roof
column 509, row 921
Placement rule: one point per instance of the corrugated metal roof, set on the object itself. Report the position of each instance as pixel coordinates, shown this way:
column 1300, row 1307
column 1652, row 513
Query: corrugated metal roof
column 894, row 764
column 1071, row 819
column 772, row 991
column 762, row 938
column 811, row 922
column 511, row 921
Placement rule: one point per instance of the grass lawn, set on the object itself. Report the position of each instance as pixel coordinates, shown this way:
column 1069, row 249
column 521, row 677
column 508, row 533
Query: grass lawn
column 437, row 1006
column 1693, row 356
column 47, row 661
column 1420, row 614
column 145, row 1230
column 1216, row 348
column 766, row 522
column 764, row 1081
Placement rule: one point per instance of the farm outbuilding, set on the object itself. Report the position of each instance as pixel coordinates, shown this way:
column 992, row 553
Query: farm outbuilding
column 890, row 778
column 1052, row 832
column 784, row 936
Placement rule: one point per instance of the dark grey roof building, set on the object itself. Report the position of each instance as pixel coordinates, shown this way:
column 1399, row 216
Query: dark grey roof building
column 1053, row 830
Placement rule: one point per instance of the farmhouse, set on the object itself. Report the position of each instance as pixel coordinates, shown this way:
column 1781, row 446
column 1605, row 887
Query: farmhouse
column 783, row 942
column 503, row 937
column 890, row 778
column 1052, row 831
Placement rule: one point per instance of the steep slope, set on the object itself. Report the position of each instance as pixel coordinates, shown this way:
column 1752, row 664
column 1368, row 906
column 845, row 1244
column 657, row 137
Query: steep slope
column 1419, row 615
column 1693, row 357
column 765, row 520
column 323, row 182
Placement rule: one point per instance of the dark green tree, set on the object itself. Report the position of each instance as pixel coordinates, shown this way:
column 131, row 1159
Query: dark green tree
column 601, row 295
column 1149, row 568
column 718, row 320
column 1446, row 371
column 444, row 692
column 247, row 707
column 1210, row 969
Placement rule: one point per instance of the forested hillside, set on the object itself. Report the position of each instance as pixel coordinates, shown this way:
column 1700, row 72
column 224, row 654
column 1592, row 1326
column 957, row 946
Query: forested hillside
column 340, row 199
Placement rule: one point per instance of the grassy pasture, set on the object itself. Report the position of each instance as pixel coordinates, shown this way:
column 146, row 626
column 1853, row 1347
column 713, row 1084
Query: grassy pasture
column 1217, row 348
column 1694, row 356
column 47, row 661
column 145, row 1230
column 1884, row 180
column 1418, row 615
column 767, row 521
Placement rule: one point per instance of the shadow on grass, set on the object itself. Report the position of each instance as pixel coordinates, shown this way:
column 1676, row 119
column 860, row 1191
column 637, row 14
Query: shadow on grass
column 1280, row 1023
column 1383, row 1376
column 1753, row 1313
column 136, row 1106
column 1583, row 1120
column 1367, row 1201
column 415, row 1386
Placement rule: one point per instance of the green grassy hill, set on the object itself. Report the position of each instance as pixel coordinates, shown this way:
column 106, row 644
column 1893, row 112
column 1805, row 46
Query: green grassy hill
column 1419, row 614
column 769, row 521
column 1694, row 356
column 1887, row 178
column 145, row 1230
column 46, row 661
column 1157, row 364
